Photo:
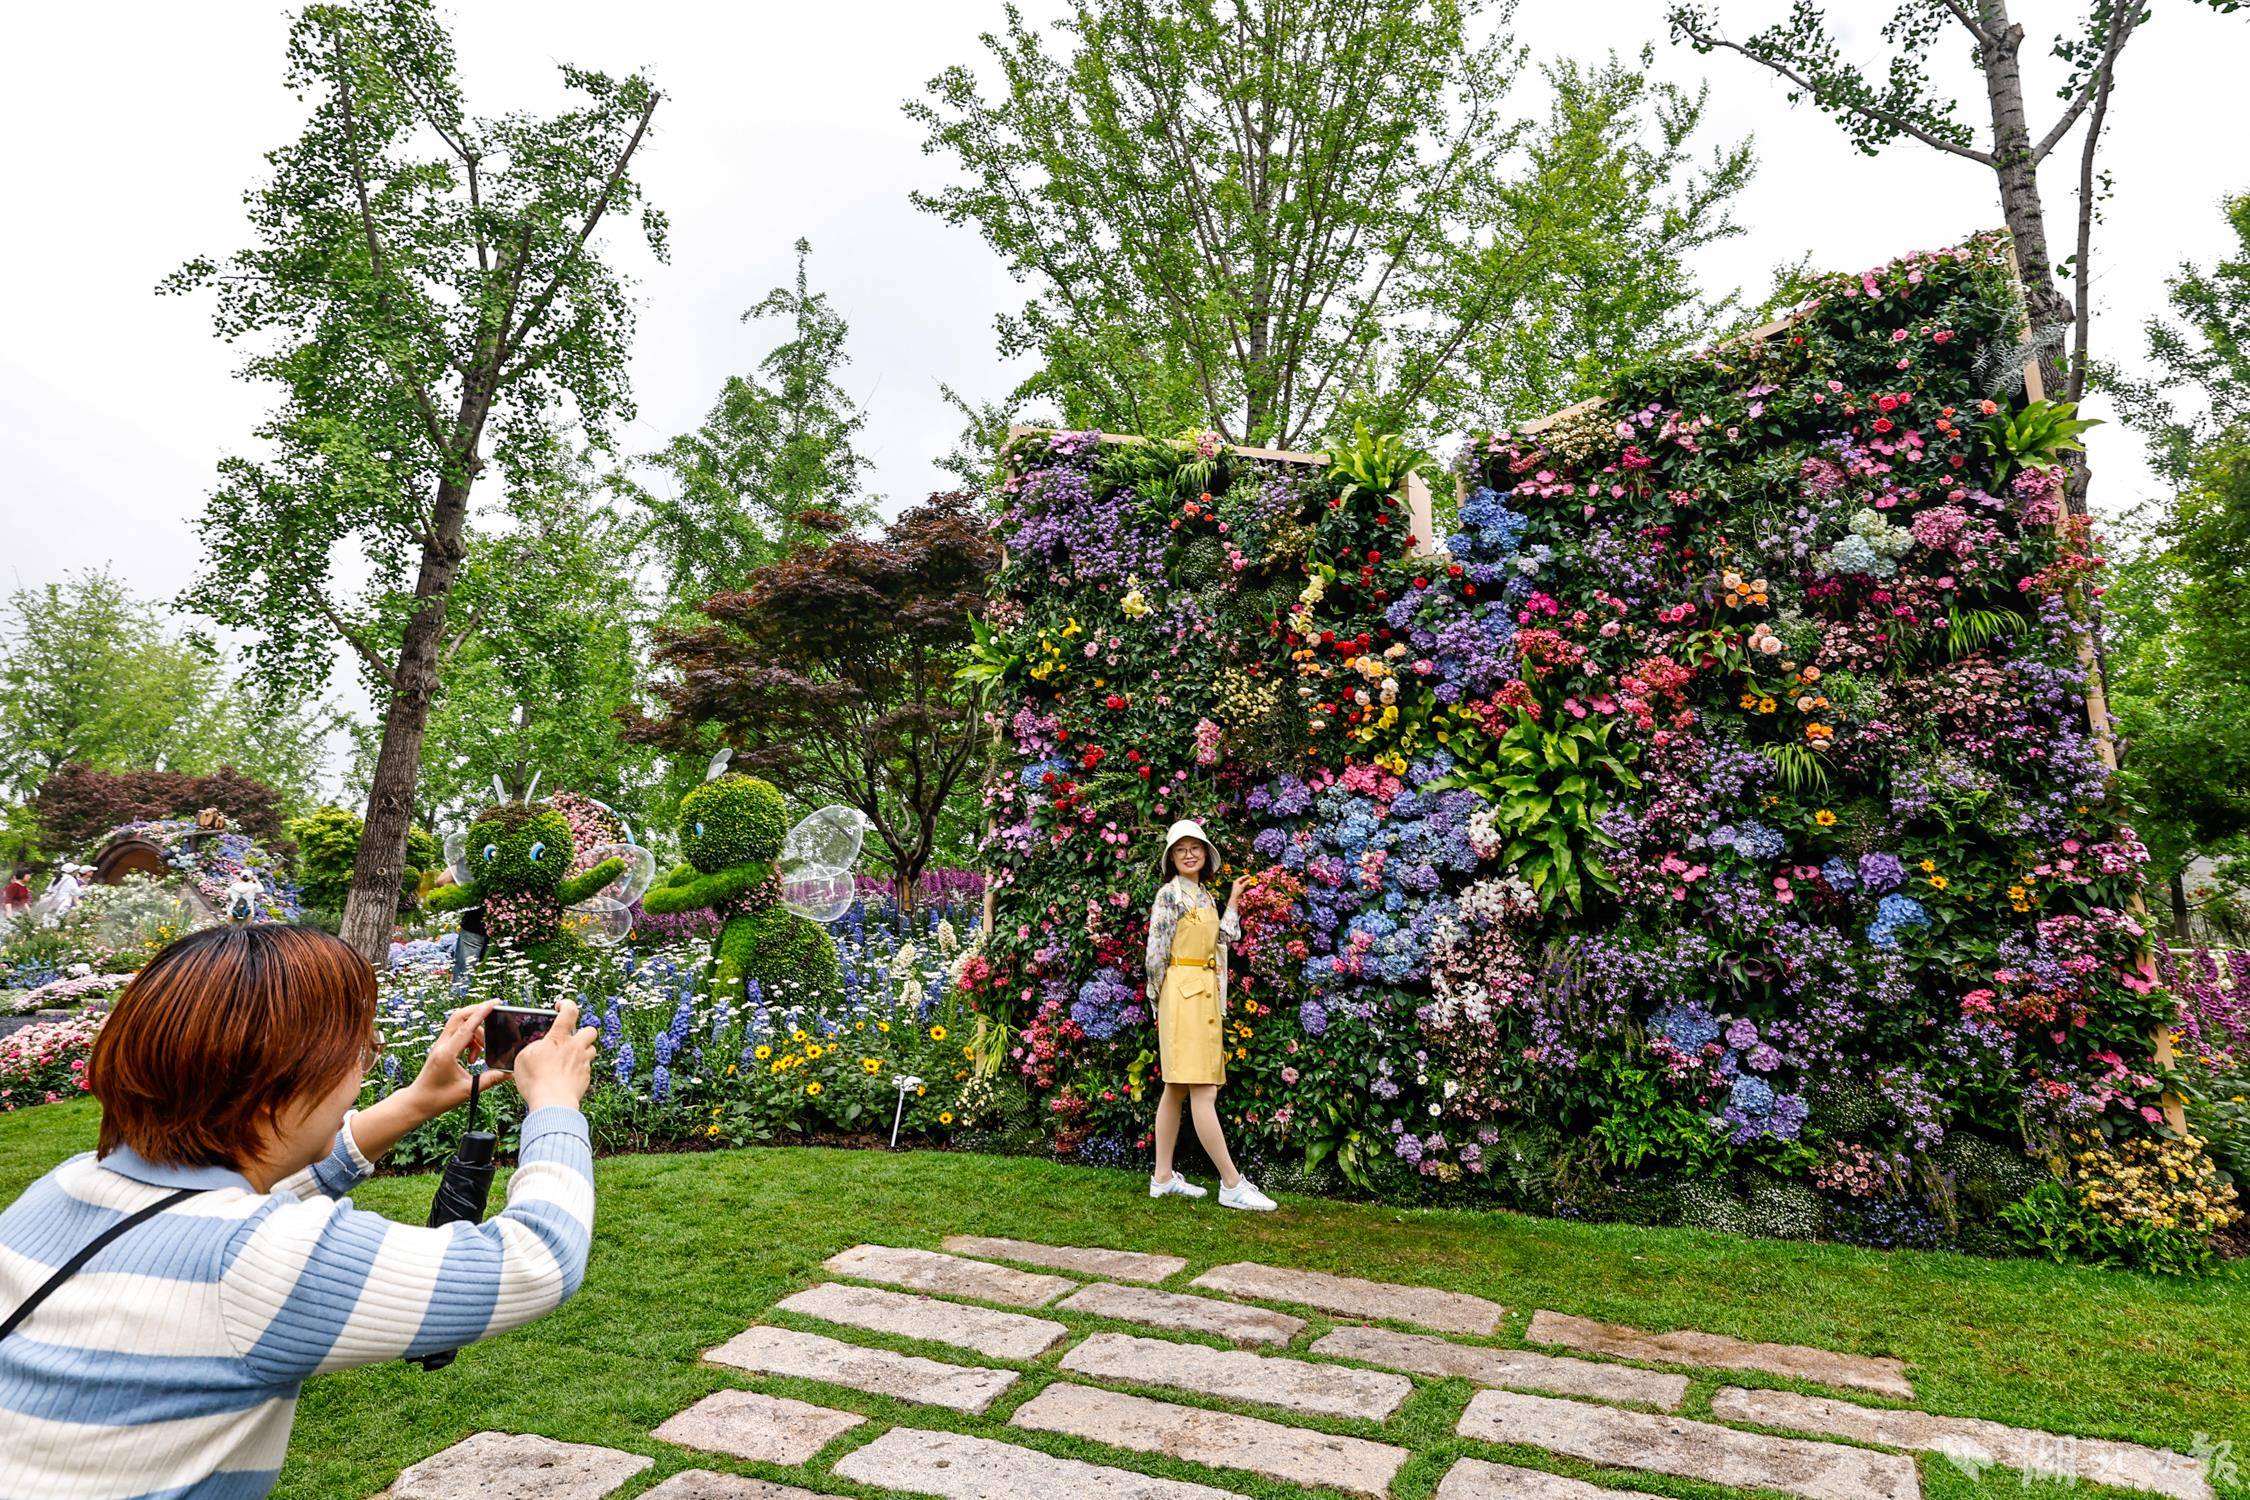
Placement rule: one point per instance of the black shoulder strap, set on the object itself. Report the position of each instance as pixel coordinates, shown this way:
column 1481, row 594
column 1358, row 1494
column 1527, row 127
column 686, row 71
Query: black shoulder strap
column 77, row 1262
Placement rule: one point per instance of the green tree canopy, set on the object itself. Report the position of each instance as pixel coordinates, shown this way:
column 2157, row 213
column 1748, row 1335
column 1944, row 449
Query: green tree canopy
column 1267, row 218
column 94, row 675
column 426, row 294
column 776, row 444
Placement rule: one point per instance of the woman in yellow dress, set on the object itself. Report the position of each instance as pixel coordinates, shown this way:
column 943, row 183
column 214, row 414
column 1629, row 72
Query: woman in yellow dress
column 1187, row 973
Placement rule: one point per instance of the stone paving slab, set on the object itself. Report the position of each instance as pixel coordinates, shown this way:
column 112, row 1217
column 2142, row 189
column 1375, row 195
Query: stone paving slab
column 879, row 1372
column 768, row 1429
column 957, row 1466
column 928, row 1271
column 1973, row 1442
column 517, row 1466
column 1232, row 1375
column 703, row 1484
column 1693, row 1450
column 996, row 1335
column 1448, row 1312
column 1509, row 1369
column 1235, row 1322
column 1223, row 1440
column 1688, row 1347
column 1086, row 1260
column 1474, row 1479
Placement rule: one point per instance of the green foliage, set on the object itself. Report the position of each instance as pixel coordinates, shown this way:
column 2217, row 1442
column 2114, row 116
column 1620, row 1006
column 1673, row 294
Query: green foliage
column 1548, row 787
column 775, row 445
column 549, row 645
column 1375, row 464
column 733, row 820
column 1355, row 227
column 2036, row 436
column 518, row 847
column 327, row 840
column 90, row 674
column 2050, row 1221
column 792, row 957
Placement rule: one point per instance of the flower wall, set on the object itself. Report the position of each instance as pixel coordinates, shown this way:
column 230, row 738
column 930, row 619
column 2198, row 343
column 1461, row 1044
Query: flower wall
column 1708, row 828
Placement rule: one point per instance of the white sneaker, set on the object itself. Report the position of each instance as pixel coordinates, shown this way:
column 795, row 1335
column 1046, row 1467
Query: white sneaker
column 1245, row 1194
column 1175, row 1186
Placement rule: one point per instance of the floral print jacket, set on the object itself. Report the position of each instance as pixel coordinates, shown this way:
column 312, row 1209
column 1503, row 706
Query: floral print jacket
column 1174, row 900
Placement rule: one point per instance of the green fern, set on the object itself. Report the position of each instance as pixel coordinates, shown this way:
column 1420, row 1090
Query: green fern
column 1970, row 630
column 1799, row 766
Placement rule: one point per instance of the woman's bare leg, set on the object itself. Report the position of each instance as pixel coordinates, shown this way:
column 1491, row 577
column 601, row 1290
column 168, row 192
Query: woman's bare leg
column 1203, row 1099
column 1168, row 1128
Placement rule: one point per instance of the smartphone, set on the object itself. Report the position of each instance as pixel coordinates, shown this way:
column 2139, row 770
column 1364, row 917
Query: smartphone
column 508, row 1027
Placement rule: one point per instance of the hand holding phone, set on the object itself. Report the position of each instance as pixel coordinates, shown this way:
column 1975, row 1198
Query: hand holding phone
column 558, row 1067
column 507, row 1028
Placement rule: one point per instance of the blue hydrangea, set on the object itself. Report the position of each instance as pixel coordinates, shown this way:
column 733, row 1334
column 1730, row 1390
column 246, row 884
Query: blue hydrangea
column 1838, row 873
column 1686, row 1024
column 1893, row 913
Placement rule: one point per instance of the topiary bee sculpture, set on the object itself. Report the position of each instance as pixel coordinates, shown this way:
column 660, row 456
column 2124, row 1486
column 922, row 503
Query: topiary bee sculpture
column 515, row 862
column 772, row 887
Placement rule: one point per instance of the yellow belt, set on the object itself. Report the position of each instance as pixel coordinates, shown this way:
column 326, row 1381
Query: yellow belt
column 1195, row 963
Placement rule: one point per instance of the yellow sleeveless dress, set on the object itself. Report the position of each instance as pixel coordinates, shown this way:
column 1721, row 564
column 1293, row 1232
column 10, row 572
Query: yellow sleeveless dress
column 1189, row 1042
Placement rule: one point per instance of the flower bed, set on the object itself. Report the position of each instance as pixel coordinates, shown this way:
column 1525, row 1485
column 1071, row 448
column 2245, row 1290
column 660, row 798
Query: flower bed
column 45, row 1063
column 679, row 1068
column 1708, row 830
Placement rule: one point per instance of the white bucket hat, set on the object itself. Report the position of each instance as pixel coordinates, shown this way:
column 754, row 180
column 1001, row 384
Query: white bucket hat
column 1186, row 828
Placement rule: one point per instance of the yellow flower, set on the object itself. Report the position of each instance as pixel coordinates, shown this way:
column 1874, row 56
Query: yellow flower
column 763, row 1052
column 1938, row 882
column 1825, row 818
column 2015, row 893
column 969, row 1052
column 714, row 1130
column 1928, row 865
column 871, row 1066
column 1765, row 705
column 1242, row 1052
column 730, row 1069
column 937, row 1033
column 796, row 1036
column 882, row 1026
column 859, row 1025
column 945, row 1117
column 813, row 1087
column 813, row 1050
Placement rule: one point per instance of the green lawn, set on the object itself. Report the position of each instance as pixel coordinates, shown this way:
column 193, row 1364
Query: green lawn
column 690, row 1249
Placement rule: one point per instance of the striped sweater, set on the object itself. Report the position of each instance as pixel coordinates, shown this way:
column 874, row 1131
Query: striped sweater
column 168, row 1368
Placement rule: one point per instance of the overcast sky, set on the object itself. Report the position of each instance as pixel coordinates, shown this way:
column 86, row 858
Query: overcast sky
column 138, row 125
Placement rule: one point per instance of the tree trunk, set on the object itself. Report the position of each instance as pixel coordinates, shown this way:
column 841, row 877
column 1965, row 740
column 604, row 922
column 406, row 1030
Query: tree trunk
column 372, row 903
column 2020, row 204
column 2180, row 933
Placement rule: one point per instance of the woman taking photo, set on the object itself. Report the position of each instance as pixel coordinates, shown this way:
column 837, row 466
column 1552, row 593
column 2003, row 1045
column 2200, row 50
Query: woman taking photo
column 1187, row 973
column 229, row 1263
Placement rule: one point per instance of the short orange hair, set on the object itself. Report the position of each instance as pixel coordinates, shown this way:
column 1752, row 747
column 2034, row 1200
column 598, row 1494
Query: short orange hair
column 221, row 1034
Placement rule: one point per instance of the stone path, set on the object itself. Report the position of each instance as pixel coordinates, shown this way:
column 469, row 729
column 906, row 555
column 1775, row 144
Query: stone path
column 879, row 1372
column 703, row 1484
column 1231, row 1375
column 1694, row 1450
column 1687, row 1347
column 767, row 1429
column 1223, row 1440
column 515, row 1466
column 960, row 1467
column 996, row 1335
column 1117, row 1265
column 928, row 1271
column 2082, row 1460
column 1448, row 1312
column 1232, row 1321
column 1541, row 1402
column 1474, row 1479
column 1513, row 1369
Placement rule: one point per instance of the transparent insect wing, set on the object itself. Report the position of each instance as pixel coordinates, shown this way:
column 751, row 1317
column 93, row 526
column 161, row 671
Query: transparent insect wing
column 821, row 894
column 457, row 857
column 638, row 875
column 599, row 920
column 828, row 838
column 817, row 859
